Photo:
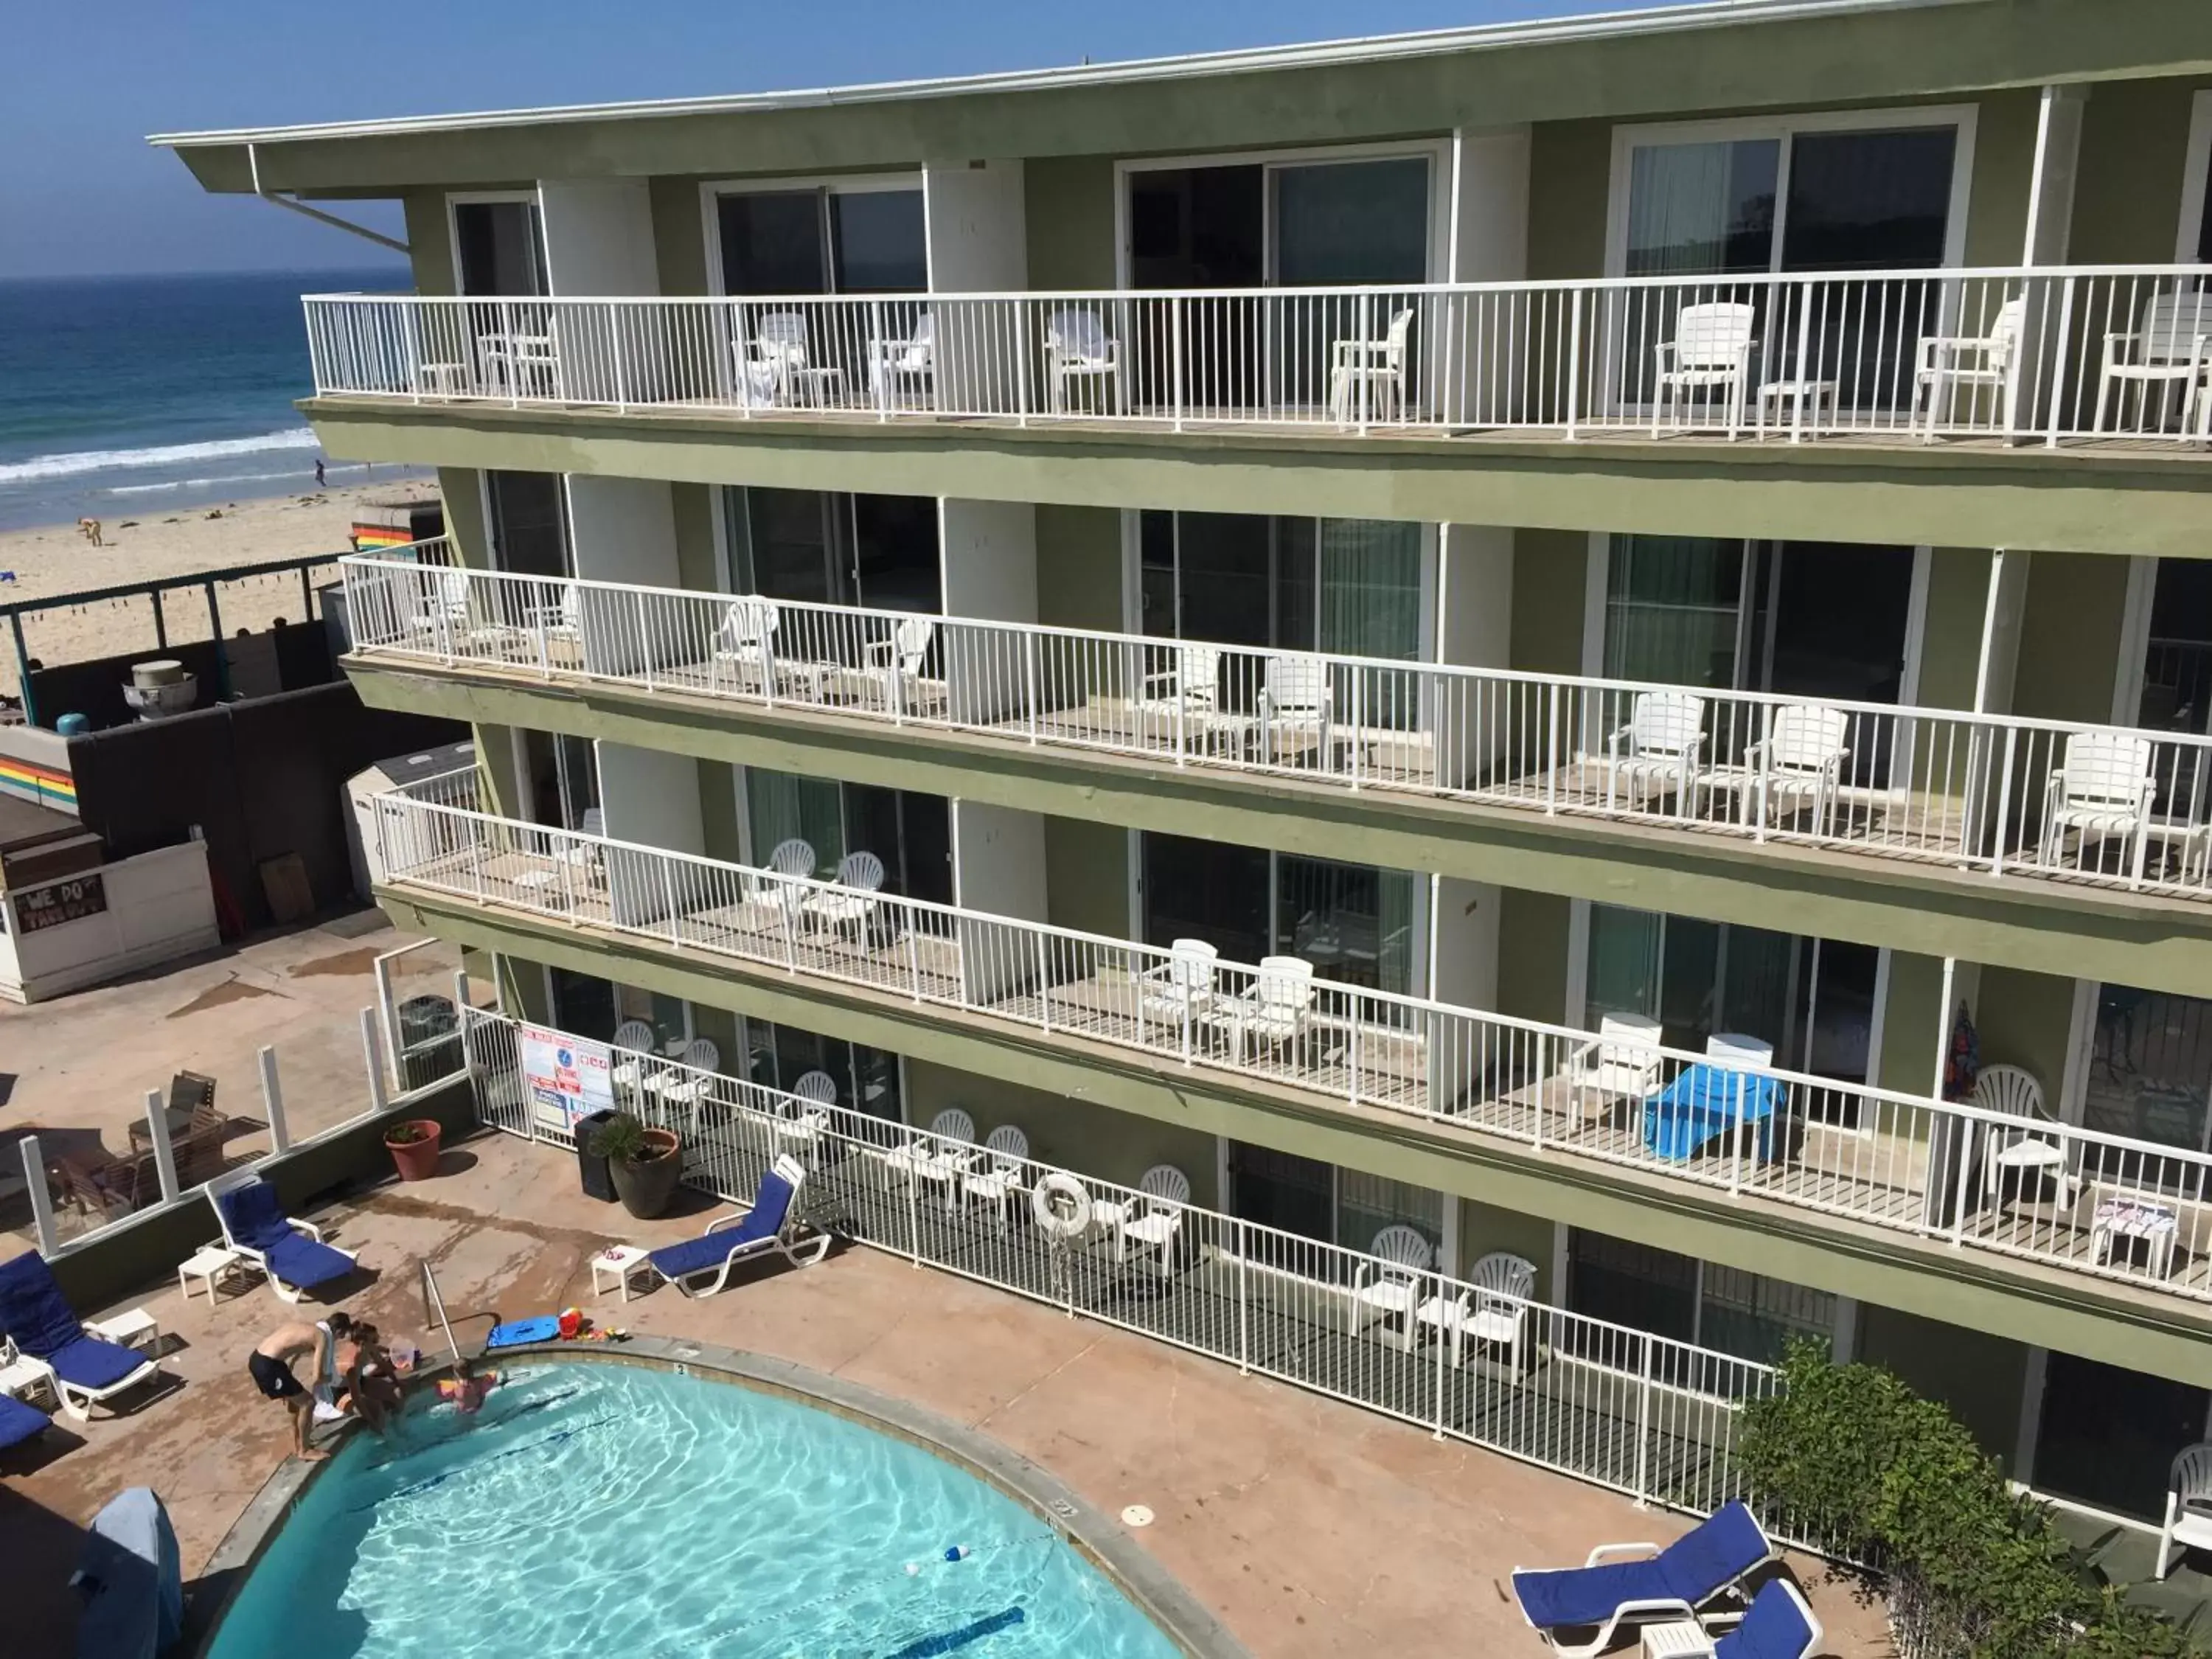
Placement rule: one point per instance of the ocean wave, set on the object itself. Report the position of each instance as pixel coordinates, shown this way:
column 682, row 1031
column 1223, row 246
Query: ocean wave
column 109, row 461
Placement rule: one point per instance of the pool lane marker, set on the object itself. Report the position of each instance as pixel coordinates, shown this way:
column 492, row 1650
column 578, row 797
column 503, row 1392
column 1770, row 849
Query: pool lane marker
column 950, row 1641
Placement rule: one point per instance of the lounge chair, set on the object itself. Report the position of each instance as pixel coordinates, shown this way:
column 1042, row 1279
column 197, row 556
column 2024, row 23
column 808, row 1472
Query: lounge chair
column 291, row 1254
column 770, row 1226
column 2188, row 1507
column 1779, row 1624
column 20, row 1422
column 37, row 1323
column 1671, row 1583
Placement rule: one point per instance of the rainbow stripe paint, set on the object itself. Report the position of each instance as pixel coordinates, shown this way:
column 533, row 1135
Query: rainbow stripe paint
column 31, row 782
column 376, row 537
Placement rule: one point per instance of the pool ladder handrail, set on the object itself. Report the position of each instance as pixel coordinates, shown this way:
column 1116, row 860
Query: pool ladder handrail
column 434, row 1306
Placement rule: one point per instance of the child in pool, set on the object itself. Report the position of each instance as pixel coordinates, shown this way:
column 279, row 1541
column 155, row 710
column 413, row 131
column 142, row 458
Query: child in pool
column 465, row 1388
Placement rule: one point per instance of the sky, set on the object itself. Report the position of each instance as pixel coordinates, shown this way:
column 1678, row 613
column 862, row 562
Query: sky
column 84, row 194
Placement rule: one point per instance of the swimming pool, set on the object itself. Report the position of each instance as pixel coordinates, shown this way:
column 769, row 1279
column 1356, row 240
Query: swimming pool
column 618, row 1512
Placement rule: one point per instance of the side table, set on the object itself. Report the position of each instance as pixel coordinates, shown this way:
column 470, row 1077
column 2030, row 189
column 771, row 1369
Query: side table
column 134, row 1328
column 622, row 1261
column 1679, row 1638
column 209, row 1263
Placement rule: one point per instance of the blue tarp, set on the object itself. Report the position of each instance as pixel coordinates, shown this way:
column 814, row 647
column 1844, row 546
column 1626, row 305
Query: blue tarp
column 1706, row 1101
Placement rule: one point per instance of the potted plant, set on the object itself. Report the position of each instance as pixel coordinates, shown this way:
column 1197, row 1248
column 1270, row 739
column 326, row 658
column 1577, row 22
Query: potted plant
column 644, row 1162
column 414, row 1147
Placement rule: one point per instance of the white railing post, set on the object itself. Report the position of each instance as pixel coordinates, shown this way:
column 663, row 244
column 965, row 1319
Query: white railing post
column 1574, row 359
column 879, row 372
column 369, row 1045
column 42, row 1203
column 1030, row 680
column 1174, row 356
column 615, row 315
column 2058, row 363
column 644, row 633
column 1243, row 1298
column 1644, row 1430
column 1044, row 987
column 272, row 1102
column 387, row 1008
column 2002, row 826
column 165, row 1156
column 1803, row 389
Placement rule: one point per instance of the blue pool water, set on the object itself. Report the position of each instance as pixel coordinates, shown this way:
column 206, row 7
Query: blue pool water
column 617, row 1513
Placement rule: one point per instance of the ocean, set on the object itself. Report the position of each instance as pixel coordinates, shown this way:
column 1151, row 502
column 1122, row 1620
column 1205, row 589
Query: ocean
column 124, row 396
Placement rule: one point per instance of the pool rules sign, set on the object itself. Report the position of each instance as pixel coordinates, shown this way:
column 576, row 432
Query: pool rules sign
column 564, row 1075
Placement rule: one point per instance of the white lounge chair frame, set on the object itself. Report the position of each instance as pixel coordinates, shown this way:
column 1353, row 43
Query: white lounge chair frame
column 786, row 1241
column 231, row 1183
column 73, row 1397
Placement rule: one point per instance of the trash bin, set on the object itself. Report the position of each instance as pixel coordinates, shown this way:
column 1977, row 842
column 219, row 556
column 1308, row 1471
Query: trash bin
column 429, row 1041
column 597, row 1184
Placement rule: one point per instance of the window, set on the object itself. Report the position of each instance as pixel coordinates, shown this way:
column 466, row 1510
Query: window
column 821, row 240
column 910, row 833
column 871, row 552
column 1308, row 1198
column 1336, row 222
column 529, row 524
column 1351, row 586
column 499, row 249
column 2107, row 1436
column 867, row 1079
column 590, row 1006
column 2150, row 1068
column 1353, row 922
column 1699, row 1303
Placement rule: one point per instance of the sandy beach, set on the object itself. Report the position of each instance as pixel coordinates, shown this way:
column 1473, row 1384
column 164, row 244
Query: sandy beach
column 56, row 559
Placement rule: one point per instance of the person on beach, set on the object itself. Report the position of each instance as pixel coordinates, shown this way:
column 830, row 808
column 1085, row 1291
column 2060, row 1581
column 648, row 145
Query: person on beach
column 270, row 1365
column 319, row 480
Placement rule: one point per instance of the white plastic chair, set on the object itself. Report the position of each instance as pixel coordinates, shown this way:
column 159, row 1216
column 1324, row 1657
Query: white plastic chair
column 893, row 666
column 635, row 1037
column 2170, row 351
column 586, row 855
column 853, row 900
column 951, row 1153
column 1504, row 1284
column 1183, row 701
column 802, row 1126
column 1800, row 762
column 2101, row 792
column 1181, row 990
column 893, row 365
column 1387, row 1286
column 1077, row 349
column 1711, row 349
column 1743, row 1053
column 1004, row 1173
column 1989, row 361
column 1279, row 1008
column 1656, row 753
column 779, row 348
column 687, row 1089
column 1372, row 371
column 2014, row 1093
column 1154, row 1219
column 742, row 642
column 1622, row 1062
column 2188, row 1507
column 1296, row 707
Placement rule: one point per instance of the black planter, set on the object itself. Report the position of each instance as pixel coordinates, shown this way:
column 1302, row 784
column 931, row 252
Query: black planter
column 645, row 1188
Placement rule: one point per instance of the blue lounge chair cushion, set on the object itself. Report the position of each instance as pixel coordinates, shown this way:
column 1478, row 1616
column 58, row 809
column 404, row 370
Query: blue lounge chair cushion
column 771, row 1204
column 1565, row 1597
column 90, row 1363
column 33, row 1313
column 1774, row 1628
column 20, row 1422
column 1692, row 1570
column 255, row 1216
column 298, row 1260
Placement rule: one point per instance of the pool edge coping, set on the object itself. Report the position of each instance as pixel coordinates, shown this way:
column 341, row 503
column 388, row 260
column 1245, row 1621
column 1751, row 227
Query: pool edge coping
column 1105, row 1543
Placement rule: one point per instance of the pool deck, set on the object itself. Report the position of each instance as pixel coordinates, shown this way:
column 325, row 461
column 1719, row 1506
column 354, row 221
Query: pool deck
column 1309, row 1527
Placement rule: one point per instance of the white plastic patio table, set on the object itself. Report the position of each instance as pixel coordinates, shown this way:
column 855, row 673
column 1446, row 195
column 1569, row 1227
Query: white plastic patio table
column 622, row 1261
column 134, row 1328
column 24, row 1379
column 1680, row 1638
column 208, row 1263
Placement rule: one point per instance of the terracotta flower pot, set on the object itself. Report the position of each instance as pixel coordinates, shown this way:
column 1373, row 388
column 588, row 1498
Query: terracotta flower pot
column 415, row 1159
column 646, row 1185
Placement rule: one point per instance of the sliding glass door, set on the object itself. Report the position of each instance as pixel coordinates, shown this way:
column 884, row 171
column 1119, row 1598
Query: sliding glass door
column 1813, row 1000
column 1703, row 1303
column 867, row 1079
column 911, row 833
column 499, row 247
column 823, row 240
column 871, row 552
column 1330, row 1204
column 529, row 515
column 1355, row 923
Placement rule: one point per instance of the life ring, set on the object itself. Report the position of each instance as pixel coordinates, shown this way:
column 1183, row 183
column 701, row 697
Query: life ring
column 1062, row 1205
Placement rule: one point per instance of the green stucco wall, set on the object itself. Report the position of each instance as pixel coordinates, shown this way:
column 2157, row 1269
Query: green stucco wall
column 1068, row 202
column 2127, row 195
column 1532, row 955
column 698, row 564
column 2024, row 1019
column 2069, row 637
column 1086, row 867
column 1951, row 638
column 1909, row 1017
column 461, row 491
column 1551, row 574
column 1569, row 176
column 429, row 241
column 1978, row 1375
column 1483, row 1228
column 1079, row 566
column 679, row 236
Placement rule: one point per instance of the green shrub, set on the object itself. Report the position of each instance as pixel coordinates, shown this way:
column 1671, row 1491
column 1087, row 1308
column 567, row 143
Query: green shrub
column 1851, row 1459
column 621, row 1139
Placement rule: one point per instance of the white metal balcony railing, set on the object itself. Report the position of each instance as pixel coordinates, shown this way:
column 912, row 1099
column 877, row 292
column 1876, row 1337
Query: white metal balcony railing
column 2049, row 355
column 2001, row 795
column 1642, row 1414
column 2074, row 1198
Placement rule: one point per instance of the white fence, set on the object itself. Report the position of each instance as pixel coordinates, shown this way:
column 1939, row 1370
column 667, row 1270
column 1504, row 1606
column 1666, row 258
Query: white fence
column 1724, row 1121
column 1998, row 794
column 1644, row 1415
column 2048, row 355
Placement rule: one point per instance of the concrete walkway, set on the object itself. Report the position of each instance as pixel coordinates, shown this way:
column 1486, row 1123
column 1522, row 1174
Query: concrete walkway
column 1310, row 1528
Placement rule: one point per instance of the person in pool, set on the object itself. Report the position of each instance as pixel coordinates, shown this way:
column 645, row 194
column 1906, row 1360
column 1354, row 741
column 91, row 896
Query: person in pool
column 270, row 1365
column 370, row 1383
column 466, row 1388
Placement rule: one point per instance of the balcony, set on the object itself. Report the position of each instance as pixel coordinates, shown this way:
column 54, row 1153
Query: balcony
column 1726, row 1123
column 2099, row 357
column 2005, row 798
